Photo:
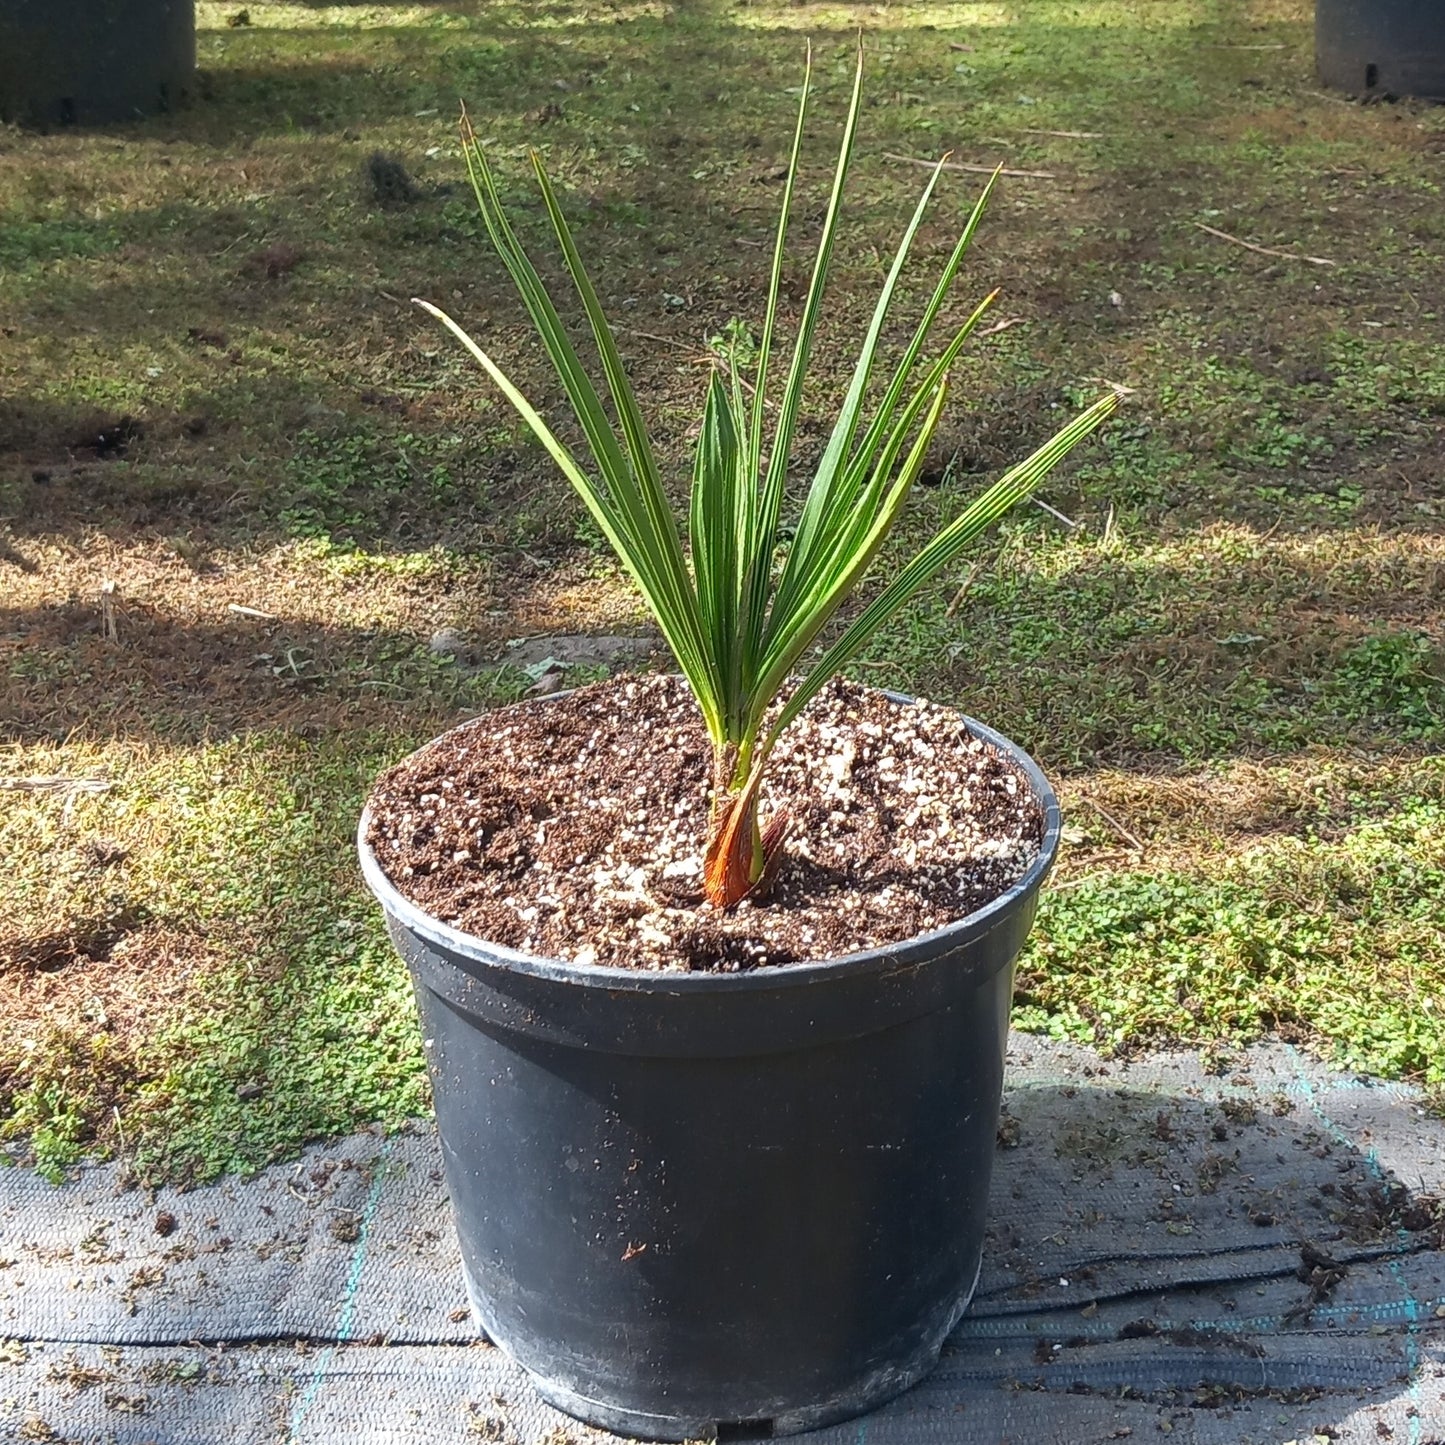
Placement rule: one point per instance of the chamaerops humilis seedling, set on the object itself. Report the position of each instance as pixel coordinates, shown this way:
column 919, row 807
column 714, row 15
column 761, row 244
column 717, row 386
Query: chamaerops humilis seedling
column 742, row 607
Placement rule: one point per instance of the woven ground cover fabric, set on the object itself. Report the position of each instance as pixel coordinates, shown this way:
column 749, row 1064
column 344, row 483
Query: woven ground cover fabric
column 1220, row 1258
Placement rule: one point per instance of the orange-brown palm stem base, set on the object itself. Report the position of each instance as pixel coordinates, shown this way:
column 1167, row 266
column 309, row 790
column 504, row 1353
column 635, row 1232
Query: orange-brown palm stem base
column 742, row 856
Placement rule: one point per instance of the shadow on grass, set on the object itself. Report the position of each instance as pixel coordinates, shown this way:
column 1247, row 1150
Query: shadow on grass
column 186, row 681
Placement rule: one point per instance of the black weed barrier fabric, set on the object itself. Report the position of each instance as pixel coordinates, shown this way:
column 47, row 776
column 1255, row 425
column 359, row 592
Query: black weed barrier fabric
column 1216, row 1258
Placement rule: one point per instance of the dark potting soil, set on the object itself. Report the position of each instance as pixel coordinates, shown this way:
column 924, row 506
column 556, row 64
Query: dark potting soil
column 574, row 828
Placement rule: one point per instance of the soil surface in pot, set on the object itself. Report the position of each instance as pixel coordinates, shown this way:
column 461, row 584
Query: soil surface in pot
column 574, row 828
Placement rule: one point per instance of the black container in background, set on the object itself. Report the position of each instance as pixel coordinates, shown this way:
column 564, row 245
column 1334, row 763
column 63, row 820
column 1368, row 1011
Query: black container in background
column 750, row 1203
column 88, row 62
column 1382, row 48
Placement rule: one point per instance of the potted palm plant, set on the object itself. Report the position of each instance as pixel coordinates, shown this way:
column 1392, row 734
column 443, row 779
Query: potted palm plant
column 714, row 972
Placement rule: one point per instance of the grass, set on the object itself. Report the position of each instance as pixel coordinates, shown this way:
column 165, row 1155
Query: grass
column 1332, row 931
column 1230, row 656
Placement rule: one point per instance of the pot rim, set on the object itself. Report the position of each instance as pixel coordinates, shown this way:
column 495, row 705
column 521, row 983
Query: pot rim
column 920, row 949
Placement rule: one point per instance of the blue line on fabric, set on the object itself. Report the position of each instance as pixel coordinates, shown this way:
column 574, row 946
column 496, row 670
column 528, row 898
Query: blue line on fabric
column 1002, row 1327
column 350, row 1290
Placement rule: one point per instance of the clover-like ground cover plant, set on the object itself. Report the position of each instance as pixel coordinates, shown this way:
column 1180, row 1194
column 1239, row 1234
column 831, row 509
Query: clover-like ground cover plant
column 742, row 594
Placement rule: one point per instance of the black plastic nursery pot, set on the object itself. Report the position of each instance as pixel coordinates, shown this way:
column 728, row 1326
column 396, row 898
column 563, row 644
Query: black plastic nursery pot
column 698, row 1204
column 86, row 62
column 1382, row 47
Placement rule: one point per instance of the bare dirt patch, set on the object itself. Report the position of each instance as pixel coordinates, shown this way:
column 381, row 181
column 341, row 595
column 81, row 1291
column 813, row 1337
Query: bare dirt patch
column 80, row 1006
column 114, row 975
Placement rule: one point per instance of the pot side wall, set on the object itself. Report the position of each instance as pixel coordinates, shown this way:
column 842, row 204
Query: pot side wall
column 88, row 62
column 669, row 1242
column 752, row 1202
column 1382, row 47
